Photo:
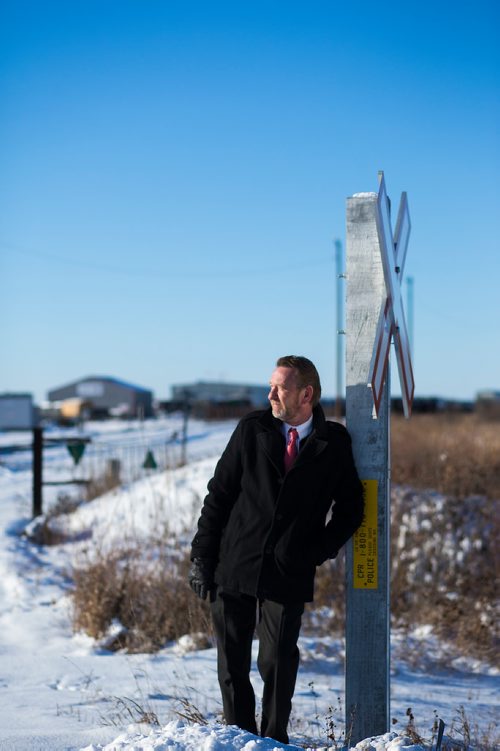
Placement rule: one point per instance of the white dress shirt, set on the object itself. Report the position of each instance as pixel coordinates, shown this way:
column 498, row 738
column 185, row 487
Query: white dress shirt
column 303, row 430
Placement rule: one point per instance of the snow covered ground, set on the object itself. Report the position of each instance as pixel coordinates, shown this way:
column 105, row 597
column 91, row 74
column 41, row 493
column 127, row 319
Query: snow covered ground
column 62, row 690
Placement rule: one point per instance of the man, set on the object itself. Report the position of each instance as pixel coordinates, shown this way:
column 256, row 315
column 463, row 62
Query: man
column 262, row 532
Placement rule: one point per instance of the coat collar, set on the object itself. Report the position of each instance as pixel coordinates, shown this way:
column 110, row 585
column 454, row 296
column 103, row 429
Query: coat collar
column 272, row 442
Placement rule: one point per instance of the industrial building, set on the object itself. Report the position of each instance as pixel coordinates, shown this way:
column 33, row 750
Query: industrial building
column 488, row 404
column 221, row 393
column 103, row 396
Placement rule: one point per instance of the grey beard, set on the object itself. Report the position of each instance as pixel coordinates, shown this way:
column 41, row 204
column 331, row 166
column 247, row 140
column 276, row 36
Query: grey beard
column 279, row 413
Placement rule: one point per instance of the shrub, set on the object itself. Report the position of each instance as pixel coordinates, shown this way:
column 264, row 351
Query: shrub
column 150, row 598
column 45, row 529
column 444, row 553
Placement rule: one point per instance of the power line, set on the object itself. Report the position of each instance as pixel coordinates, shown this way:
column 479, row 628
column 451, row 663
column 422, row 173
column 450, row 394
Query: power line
column 173, row 273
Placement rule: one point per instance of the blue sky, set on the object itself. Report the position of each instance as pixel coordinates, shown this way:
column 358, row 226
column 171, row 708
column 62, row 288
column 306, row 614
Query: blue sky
column 173, row 176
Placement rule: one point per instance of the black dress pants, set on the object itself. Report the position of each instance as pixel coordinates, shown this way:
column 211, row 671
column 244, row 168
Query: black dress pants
column 234, row 617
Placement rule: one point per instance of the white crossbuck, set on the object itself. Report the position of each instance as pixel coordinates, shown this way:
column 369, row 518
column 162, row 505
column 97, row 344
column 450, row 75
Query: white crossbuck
column 391, row 323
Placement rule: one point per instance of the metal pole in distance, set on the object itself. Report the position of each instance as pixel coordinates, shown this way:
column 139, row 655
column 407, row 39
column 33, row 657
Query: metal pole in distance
column 409, row 308
column 367, row 554
column 37, row 470
column 186, row 408
column 338, row 266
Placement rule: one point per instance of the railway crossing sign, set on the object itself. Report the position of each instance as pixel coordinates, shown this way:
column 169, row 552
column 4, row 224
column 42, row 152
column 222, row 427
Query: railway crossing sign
column 391, row 322
column 375, row 259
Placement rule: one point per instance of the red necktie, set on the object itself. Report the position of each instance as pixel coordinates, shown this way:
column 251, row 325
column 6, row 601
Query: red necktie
column 291, row 448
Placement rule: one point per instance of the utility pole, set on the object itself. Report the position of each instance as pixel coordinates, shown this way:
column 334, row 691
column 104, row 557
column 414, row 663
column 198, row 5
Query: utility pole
column 340, row 331
column 186, row 409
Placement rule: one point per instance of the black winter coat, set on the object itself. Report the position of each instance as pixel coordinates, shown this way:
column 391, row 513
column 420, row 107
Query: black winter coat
column 265, row 530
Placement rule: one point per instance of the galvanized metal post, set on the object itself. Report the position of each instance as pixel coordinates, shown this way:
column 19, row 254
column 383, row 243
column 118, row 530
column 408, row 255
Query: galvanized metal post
column 37, row 471
column 367, row 555
column 340, row 276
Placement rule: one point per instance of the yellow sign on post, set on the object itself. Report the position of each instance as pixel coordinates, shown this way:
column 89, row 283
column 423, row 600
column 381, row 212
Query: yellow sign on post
column 365, row 547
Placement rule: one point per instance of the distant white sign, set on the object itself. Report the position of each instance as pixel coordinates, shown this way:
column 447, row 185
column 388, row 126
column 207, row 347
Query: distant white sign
column 16, row 412
column 90, row 389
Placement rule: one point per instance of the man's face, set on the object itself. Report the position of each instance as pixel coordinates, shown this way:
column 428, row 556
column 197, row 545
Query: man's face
column 289, row 402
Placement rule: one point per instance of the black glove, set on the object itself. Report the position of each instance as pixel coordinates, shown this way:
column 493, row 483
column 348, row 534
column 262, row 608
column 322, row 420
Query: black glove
column 324, row 552
column 201, row 576
column 326, row 557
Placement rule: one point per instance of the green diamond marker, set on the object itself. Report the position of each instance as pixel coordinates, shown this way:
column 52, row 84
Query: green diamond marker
column 76, row 450
column 149, row 461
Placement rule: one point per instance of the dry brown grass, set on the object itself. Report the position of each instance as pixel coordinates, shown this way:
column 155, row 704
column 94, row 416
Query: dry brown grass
column 456, row 454
column 444, row 549
column 44, row 529
column 326, row 615
column 444, row 558
column 149, row 598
